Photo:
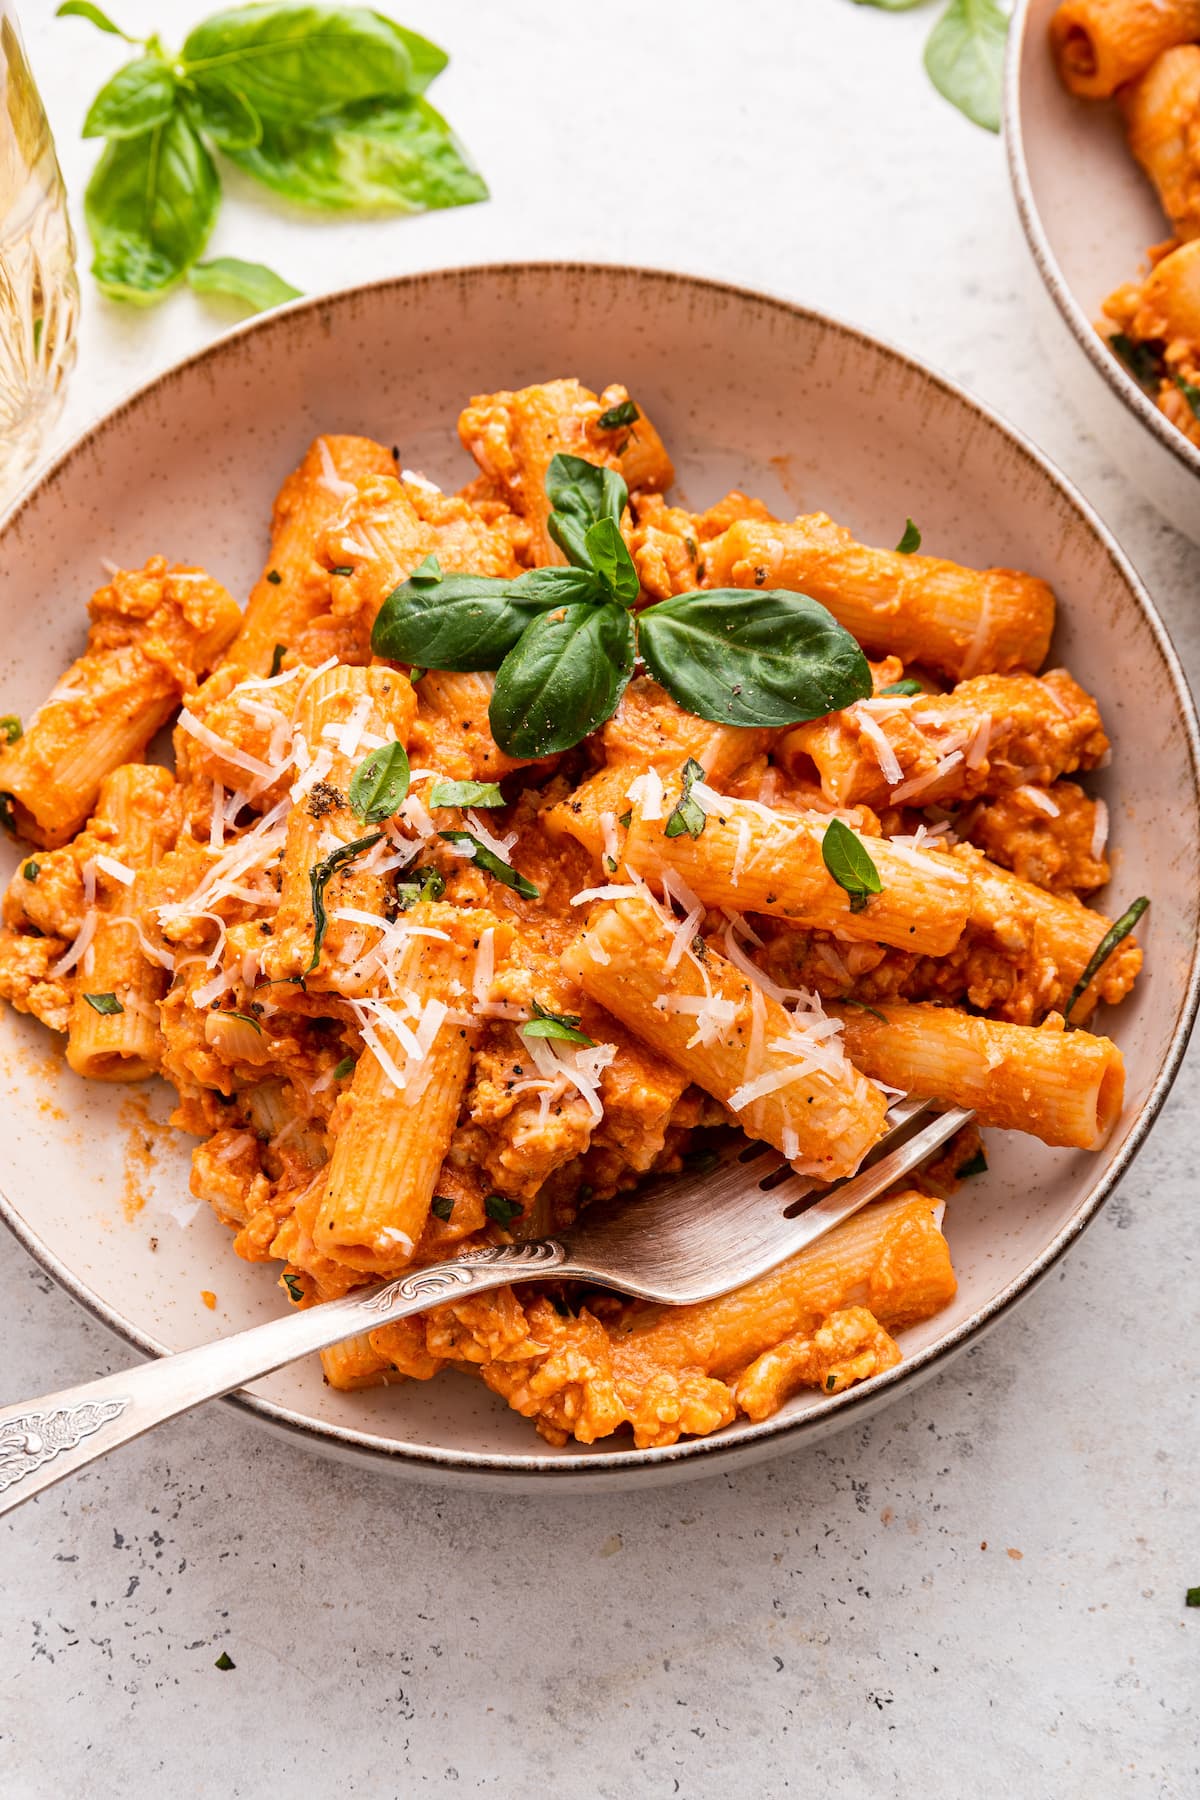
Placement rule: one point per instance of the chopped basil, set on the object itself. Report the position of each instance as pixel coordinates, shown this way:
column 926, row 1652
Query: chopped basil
column 466, row 793
column 1114, row 936
column 830, row 1383
column 626, row 819
column 1192, row 1597
column 8, row 817
column 427, row 573
column 277, row 656
column 616, row 416
column 342, row 569
column 848, row 861
column 907, row 686
column 108, row 1004
column 31, row 871
column 687, row 814
column 441, row 1206
column 1142, row 357
column 274, row 577
column 415, row 674
column 431, row 886
column 246, row 1019
column 503, row 1210
column 547, row 1024
column 292, row 1283
column 1190, row 392
column 11, row 728
column 910, row 541
column 379, row 785
column 849, row 1000
column 319, row 877
column 346, row 1067
column 974, row 1165
column 224, row 1661
column 493, row 865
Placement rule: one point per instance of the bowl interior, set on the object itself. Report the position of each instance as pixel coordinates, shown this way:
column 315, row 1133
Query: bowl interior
column 746, row 391
column 1097, row 212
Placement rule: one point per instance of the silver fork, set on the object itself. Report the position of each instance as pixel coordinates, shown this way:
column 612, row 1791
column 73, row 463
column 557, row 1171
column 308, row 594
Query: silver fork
column 677, row 1240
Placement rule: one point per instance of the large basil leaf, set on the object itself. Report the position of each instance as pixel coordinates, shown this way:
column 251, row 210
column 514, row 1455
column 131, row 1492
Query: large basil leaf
column 608, row 554
column 396, row 156
column 298, row 61
column 463, row 622
column 581, row 493
column 228, row 118
column 150, row 205
column 253, row 283
column 752, row 658
column 139, row 96
column 964, row 59
column 428, row 59
column 564, row 678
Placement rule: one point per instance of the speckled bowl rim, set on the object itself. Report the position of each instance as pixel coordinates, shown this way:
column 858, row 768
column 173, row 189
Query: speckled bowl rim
column 1115, row 376
column 705, row 1455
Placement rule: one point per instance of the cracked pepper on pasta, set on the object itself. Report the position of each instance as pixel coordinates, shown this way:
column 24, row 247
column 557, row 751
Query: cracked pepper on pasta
column 407, row 1027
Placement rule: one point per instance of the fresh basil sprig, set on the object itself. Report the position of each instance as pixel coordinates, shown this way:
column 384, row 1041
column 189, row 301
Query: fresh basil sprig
column 547, row 1024
column 849, row 862
column 1116, row 934
column 563, row 641
column 322, row 103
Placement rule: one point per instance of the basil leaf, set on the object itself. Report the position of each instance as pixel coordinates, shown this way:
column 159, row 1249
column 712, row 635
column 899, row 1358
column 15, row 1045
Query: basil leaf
column 547, row 1024
column 107, row 1004
column 687, row 814
column 1113, row 937
column 228, row 118
column 427, row 59
column 849, row 1000
column 907, row 686
column 11, row 728
column 224, row 1662
column 139, row 96
column 964, row 59
column 427, row 572
column 561, row 587
column 463, row 622
column 1143, row 357
column 380, row 783
column 608, row 554
column 564, row 678
column 150, row 205
column 346, row 1067
column 246, row 1018
column 252, row 282
column 319, row 877
column 848, row 861
column 1190, row 392
column 83, row 9
column 383, row 156
column 503, row 1210
column 910, row 541
column 292, row 1283
column 581, row 493
column 442, row 1207
column 431, row 886
column 752, row 658
column 292, row 60
column 31, row 871
column 493, row 865
column 626, row 413
column 465, row 793
column 277, row 655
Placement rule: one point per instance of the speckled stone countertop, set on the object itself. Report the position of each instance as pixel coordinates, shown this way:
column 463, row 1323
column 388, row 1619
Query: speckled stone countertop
column 980, row 1591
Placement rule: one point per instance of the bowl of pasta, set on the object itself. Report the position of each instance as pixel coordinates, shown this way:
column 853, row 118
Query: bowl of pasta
column 451, row 785
column 1102, row 129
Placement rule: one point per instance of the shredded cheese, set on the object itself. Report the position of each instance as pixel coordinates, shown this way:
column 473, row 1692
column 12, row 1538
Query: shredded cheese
column 885, row 756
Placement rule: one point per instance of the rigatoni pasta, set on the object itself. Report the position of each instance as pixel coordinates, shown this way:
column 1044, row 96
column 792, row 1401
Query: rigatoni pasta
column 434, row 958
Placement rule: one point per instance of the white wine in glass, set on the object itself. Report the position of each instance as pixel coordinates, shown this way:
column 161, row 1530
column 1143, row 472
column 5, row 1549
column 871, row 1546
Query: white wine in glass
column 39, row 292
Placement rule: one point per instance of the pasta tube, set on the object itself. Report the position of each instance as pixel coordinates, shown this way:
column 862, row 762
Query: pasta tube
column 782, row 1075
column 920, row 608
column 293, row 589
column 1064, row 1087
column 989, row 735
column 1162, row 118
column 1100, row 44
column 154, row 630
column 395, row 1125
column 339, row 708
column 113, row 1031
column 515, row 436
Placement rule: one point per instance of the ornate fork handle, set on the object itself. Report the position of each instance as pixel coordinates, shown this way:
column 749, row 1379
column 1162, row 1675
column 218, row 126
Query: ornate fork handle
column 43, row 1440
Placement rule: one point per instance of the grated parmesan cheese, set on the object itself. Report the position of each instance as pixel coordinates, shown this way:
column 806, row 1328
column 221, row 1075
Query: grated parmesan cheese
column 1099, row 831
column 118, row 870
column 1041, row 801
column 330, row 479
column 885, row 756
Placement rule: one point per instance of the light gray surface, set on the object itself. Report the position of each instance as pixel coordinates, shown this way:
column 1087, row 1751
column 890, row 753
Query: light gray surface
column 828, row 1624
